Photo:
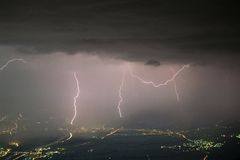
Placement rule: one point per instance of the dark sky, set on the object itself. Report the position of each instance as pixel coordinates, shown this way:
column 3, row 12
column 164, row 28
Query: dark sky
column 200, row 31
column 96, row 38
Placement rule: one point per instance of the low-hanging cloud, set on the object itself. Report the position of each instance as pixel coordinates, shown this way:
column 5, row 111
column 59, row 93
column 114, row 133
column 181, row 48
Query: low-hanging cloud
column 153, row 62
column 202, row 32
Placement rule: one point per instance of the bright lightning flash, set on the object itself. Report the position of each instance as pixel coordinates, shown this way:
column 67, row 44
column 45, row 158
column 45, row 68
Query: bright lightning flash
column 111, row 133
column 206, row 157
column 11, row 61
column 120, row 95
column 172, row 79
column 70, row 136
column 75, row 98
column 175, row 86
column 176, row 91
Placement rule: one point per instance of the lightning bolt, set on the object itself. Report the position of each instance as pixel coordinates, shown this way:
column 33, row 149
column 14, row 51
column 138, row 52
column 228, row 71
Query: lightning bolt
column 175, row 90
column 120, row 95
column 111, row 133
column 175, row 86
column 206, row 157
column 75, row 98
column 11, row 61
column 183, row 136
column 172, row 79
column 70, row 136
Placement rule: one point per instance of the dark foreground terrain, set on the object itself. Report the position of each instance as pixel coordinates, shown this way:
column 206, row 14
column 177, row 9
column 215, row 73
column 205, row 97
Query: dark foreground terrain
column 218, row 142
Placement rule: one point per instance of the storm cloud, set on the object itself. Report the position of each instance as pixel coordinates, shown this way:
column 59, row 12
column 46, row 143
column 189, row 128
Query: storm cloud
column 153, row 62
column 135, row 30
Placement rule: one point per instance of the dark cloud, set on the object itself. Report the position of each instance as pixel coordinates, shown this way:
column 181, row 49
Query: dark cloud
column 153, row 62
column 136, row 30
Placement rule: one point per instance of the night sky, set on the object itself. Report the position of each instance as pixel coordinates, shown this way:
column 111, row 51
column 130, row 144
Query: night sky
column 98, row 39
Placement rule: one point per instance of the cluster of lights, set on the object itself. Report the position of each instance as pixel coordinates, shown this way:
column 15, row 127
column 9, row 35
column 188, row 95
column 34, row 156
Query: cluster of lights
column 38, row 153
column 13, row 143
column 10, row 130
column 105, row 132
column 6, row 131
column 4, row 151
column 41, row 153
column 238, row 136
column 201, row 145
column 101, row 133
column 195, row 145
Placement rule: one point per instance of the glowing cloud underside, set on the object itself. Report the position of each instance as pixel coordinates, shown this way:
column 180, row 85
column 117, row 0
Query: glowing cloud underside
column 75, row 98
column 11, row 61
column 120, row 95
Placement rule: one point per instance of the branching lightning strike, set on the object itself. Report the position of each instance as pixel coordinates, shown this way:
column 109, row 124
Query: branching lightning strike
column 172, row 79
column 75, row 98
column 11, row 61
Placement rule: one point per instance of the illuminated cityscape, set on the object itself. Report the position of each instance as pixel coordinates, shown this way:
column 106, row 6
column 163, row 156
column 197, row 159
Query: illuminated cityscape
column 199, row 140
